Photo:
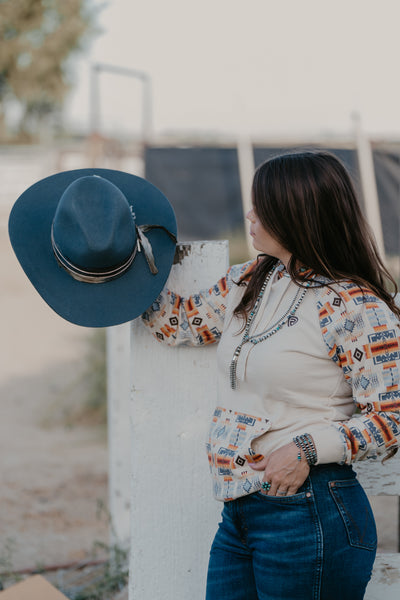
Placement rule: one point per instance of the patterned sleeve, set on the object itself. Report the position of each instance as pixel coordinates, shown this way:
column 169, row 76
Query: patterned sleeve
column 362, row 336
column 198, row 319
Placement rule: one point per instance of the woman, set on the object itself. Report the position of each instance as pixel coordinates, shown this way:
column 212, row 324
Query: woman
column 308, row 335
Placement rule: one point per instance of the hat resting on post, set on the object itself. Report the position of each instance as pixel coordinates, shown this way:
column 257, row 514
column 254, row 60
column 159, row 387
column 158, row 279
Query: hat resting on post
column 97, row 244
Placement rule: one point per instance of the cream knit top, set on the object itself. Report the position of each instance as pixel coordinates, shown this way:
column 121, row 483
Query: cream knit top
column 341, row 352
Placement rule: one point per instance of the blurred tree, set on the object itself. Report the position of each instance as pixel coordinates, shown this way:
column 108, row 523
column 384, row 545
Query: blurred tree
column 37, row 37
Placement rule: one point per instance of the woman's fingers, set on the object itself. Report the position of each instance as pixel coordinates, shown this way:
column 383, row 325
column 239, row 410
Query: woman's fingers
column 284, row 473
column 259, row 465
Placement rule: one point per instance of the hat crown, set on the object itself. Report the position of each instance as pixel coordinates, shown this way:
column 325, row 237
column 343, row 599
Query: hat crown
column 93, row 226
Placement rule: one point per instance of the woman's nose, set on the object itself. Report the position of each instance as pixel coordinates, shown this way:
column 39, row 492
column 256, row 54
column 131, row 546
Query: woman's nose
column 250, row 215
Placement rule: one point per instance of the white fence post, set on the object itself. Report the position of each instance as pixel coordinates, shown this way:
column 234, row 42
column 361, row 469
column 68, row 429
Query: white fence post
column 173, row 513
column 245, row 154
column 118, row 403
column 368, row 183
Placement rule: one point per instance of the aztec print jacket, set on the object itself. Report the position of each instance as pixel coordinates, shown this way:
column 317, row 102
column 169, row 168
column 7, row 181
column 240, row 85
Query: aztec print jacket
column 340, row 353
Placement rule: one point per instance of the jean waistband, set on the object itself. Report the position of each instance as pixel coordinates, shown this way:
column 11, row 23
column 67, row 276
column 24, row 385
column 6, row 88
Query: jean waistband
column 331, row 471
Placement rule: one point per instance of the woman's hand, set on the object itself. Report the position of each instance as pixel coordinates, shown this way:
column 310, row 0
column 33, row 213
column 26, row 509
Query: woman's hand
column 283, row 470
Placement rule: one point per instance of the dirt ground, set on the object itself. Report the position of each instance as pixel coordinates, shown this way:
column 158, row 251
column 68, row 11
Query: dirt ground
column 53, row 478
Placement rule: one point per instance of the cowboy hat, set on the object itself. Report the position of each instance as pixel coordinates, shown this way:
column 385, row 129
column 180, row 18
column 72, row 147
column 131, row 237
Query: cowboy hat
column 97, row 244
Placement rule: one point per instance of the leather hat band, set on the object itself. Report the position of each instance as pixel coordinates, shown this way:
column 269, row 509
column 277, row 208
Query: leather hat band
column 102, row 276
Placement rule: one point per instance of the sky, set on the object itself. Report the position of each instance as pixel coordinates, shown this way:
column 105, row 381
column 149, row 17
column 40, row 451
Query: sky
column 253, row 68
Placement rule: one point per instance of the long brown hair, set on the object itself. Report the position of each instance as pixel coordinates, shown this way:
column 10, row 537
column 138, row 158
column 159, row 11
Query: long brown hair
column 307, row 202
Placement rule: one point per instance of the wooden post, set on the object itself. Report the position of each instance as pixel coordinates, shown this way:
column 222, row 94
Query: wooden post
column 245, row 155
column 118, row 404
column 173, row 514
column 368, row 183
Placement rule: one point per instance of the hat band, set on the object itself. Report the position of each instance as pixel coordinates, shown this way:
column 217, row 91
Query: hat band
column 90, row 276
column 85, row 276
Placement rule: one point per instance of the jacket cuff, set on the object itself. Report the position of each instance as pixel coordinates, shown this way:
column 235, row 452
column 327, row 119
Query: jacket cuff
column 330, row 445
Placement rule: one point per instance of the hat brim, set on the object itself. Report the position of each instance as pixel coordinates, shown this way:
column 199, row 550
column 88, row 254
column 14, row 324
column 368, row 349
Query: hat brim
column 89, row 304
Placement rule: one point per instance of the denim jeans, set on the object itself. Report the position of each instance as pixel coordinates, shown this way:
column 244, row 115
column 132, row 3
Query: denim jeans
column 318, row 544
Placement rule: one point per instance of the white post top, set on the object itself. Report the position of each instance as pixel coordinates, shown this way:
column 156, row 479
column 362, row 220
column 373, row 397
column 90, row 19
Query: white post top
column 173, row 513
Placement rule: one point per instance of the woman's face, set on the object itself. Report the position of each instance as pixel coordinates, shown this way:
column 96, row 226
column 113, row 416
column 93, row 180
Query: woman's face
column 263, row 241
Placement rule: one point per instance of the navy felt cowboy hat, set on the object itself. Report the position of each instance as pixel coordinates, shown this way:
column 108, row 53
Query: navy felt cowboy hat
column 97, row 244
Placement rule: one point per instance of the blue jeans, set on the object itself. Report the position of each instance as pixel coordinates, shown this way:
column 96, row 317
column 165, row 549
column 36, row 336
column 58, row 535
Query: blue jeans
column 319, row 544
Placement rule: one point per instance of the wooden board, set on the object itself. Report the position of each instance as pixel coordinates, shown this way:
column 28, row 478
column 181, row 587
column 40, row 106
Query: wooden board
column 33, row 588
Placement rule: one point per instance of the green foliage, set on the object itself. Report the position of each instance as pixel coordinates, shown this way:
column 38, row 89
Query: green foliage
column 112, row 578
column 82, row 399
column 97, row 582
column 37, row 38
column 93, row 409
column 92, row 581
column 6, row 563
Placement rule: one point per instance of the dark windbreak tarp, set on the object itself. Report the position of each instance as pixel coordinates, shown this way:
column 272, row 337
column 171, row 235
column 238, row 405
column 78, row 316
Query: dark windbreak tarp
column 203, row 185
column 387, row 174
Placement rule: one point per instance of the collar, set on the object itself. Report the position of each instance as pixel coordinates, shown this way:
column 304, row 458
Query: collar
column 282, row 272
